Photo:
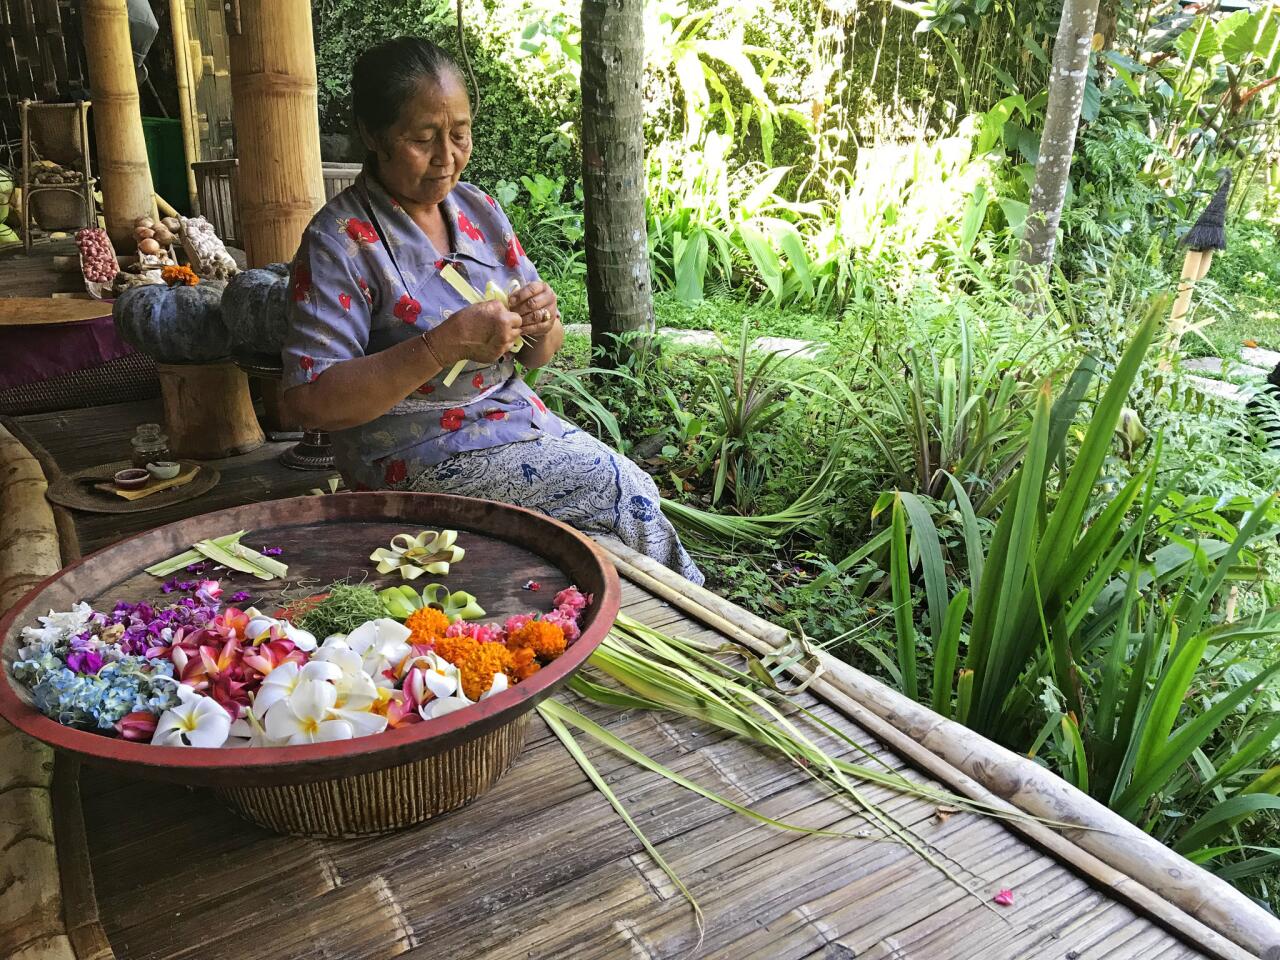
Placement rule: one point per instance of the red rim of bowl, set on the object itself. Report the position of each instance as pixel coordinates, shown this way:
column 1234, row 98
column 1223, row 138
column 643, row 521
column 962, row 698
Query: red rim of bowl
column 307, row 762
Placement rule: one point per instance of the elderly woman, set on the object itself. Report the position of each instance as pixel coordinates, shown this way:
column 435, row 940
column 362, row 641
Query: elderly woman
column 374, row 327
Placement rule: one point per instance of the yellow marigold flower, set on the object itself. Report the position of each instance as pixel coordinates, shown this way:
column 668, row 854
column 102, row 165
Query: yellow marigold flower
column 426, row 624
column 545, row 639
column 175, row 276
column 524, row 664
column 477, row 662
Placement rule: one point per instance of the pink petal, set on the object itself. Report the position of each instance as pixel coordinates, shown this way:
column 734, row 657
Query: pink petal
column 1004, row 898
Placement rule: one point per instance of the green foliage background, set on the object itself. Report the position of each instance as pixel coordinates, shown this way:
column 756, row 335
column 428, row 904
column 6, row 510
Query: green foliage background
column 518, row 106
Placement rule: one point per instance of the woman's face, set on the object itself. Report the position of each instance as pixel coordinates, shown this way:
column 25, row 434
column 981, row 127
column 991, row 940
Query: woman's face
column 422, row 156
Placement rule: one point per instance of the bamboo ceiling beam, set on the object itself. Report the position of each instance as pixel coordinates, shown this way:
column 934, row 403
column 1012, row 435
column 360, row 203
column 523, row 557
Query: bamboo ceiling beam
column 127, row 192
column 273, row 93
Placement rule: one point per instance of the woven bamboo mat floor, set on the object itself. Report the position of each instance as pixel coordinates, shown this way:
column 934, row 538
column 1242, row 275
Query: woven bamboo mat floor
column 541, row 867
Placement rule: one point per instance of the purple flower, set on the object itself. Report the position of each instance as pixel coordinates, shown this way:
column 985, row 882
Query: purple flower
column 169, row 585
column 272, row 551
column 240, row 596
column 84, row 661
column 186, row 586
column 196, row 568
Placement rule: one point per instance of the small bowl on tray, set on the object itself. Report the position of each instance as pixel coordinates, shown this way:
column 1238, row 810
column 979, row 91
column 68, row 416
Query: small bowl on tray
column 132, row 479
column 367, row 785
column 164, row 469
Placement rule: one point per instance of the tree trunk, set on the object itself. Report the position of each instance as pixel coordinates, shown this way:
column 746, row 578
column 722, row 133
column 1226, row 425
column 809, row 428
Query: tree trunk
column 613, row 171
column 273, row 90
column 117, row 119
column 1067, row 78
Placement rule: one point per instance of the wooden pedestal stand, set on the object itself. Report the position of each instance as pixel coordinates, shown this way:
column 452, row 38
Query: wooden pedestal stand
column 207, row 410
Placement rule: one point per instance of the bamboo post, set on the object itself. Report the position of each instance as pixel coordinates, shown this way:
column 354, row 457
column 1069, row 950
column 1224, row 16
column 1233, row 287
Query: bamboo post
column 273, row 92
column 182, row 71
column 117, row 119
column 207, row 410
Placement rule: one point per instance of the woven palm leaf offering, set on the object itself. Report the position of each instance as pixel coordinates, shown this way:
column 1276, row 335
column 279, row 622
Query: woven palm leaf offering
column 377, row 701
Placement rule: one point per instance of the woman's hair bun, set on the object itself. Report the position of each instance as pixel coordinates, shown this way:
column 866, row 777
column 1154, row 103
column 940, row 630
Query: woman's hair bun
column 388, row 74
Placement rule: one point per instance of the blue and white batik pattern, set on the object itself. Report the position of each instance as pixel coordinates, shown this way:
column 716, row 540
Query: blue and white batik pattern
column 577, row 480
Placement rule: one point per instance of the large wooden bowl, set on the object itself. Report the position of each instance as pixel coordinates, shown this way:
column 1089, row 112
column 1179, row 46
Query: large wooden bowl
column 369, row 784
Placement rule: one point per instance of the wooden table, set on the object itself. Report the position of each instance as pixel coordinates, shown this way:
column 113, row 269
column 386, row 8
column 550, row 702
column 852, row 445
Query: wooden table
column 542, row 867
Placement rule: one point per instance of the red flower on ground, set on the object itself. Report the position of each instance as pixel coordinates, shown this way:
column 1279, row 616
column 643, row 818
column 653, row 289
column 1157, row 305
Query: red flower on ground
column 301, row 282
column 468, row 228
column 396, row 472
column 496, row 415
column 537, row 402
column 452, row 418
column 478, row 381
column 407, row 309
column 344, row 298
column 514, row 251
column 361, row 231
column 426, row 388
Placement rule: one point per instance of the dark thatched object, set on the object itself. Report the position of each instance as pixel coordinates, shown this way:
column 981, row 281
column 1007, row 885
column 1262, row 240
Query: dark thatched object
column 1210, row 231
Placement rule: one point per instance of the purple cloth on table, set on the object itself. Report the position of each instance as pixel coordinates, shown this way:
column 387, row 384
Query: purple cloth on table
column 29, row 354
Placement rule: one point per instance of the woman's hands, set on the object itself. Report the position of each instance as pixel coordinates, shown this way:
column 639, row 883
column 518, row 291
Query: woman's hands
column 483, row 332
column 536, row 305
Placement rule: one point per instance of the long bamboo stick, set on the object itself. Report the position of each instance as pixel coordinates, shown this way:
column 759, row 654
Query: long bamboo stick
column 182, row 70
column 117, row 119
column 273, row 88
column 1188, row 899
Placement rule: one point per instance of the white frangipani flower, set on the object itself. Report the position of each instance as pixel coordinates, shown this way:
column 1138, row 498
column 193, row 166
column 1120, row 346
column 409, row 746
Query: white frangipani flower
column 282, row 681
column 197, row 721
column 310, row 715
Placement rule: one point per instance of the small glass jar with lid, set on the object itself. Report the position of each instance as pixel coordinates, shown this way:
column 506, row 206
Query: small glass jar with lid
column 149, row 445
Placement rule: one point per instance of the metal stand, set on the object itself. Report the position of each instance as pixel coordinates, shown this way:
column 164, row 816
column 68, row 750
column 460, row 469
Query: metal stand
column 314, row 451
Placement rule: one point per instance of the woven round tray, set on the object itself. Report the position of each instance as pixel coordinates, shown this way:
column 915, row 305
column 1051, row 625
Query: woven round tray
column 79, row 492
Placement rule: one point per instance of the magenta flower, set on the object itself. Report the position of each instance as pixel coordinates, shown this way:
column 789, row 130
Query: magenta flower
column 240, row 596
column 1004, row 898
column 573, row 598
column 84, row 661
column 139, row 725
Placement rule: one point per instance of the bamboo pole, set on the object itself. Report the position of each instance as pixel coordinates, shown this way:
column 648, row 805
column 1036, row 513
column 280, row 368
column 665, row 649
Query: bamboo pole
column 1188, row 899
column 273, row 91
column 117, row 119
column 182, row 71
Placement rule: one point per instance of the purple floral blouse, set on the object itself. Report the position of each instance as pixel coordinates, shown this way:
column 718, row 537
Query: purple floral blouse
column 365, row 278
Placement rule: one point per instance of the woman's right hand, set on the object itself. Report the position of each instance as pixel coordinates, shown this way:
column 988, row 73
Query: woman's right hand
column 483, row 332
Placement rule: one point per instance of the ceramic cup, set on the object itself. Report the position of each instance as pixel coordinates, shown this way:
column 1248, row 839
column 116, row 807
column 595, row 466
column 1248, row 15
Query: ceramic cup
column 164, row 469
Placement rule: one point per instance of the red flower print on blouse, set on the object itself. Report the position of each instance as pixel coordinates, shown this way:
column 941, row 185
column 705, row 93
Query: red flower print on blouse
column 452, row 419
column 537, row 402
column 396, row 472
column 514, row 251
column 492, row 202
column 469, row 228
column 496, row 415
column 306, row 363
column 361, row 231
column 344, row 298
column 440, row 264
column 301, row 282
column 364, row 288
column 426, row 388
column 478, row 381
column 407, row 309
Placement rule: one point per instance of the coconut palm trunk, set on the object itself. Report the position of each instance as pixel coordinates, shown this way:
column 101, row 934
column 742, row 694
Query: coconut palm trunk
column 613, row 171
column 1067, row 77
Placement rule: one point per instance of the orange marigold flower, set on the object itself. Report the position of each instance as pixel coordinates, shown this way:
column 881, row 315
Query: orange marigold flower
column 524, row 664
column 477, row 662
column 427, row 623
column 545, row 639
column 176, row 276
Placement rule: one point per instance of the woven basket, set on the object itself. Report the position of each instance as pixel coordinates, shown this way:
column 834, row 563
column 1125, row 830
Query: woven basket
column 384, row 800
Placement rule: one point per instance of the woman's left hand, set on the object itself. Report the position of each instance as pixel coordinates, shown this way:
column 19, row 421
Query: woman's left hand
column 536, row 304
